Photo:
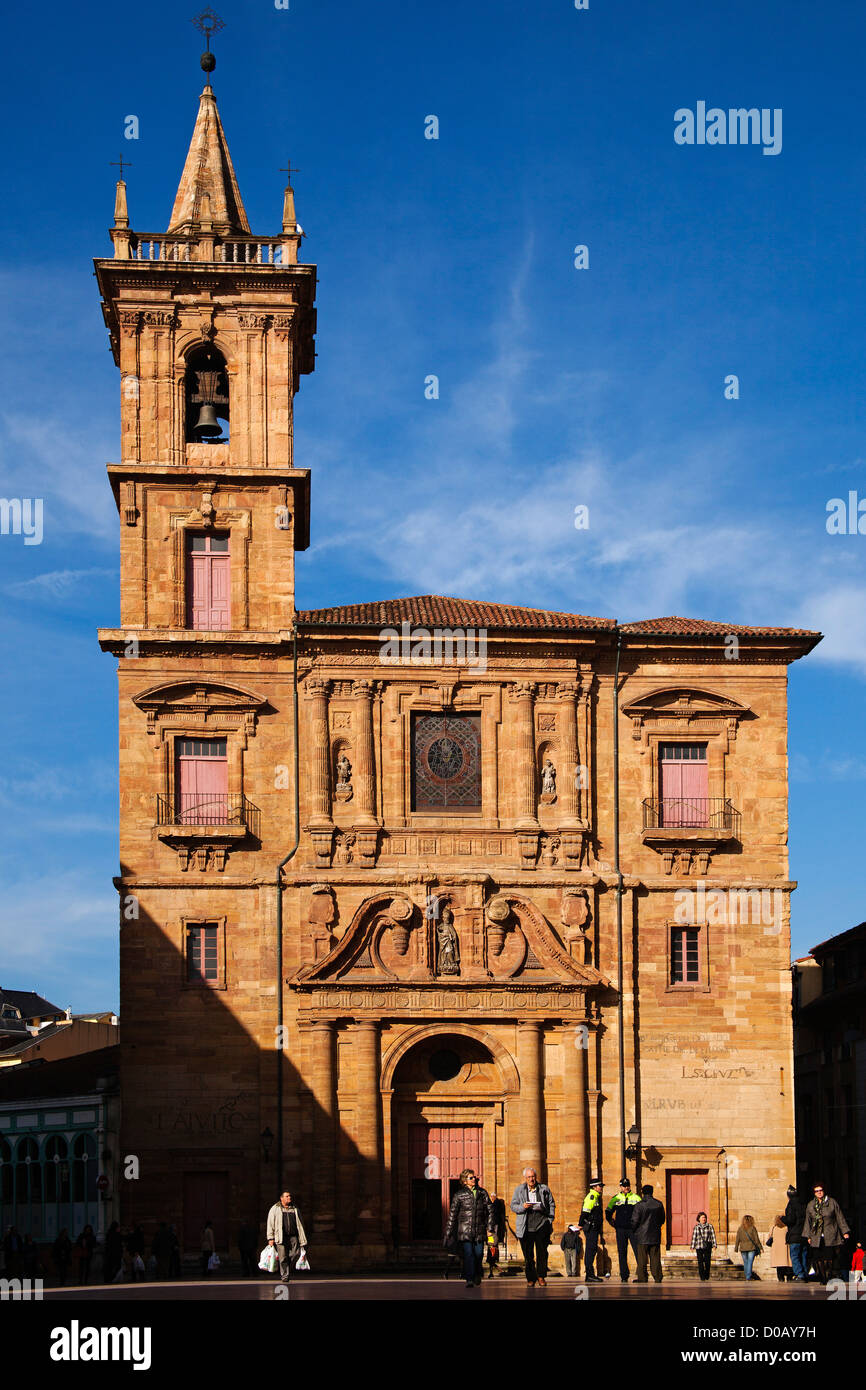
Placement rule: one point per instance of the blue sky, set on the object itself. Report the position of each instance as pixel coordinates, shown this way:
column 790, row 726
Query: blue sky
column 558, row 387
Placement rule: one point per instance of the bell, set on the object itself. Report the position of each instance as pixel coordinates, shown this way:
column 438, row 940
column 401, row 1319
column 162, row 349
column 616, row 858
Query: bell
column 208, row 425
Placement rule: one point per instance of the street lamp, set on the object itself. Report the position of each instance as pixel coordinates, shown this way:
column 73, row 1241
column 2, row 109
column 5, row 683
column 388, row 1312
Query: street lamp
column 633, row 1136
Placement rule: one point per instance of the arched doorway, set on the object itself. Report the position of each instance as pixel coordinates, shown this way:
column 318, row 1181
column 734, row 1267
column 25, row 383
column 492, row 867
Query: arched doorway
column 450, row 1094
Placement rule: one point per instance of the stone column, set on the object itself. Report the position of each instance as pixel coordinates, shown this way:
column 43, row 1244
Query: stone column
column 566, row 784
column 526, row 780
column 530, row 1064
column 320, row 759
column 365, row 1051
column 365, row 770
column 323, row 1086
column 575, row 1152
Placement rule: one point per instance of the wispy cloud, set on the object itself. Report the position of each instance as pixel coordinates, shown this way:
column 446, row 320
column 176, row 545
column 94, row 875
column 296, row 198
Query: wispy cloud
column 58, row 584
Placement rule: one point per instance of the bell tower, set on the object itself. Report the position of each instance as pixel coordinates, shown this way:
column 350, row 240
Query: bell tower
column 211, row 328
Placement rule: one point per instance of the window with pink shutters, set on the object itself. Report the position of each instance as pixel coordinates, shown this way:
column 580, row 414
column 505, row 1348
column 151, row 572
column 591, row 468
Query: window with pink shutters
column 684, row 784
column 208, row 582
column 202, row 781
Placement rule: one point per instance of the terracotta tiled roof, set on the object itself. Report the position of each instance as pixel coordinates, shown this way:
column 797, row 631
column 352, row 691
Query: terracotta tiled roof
column 433, row 610
column 688, row 627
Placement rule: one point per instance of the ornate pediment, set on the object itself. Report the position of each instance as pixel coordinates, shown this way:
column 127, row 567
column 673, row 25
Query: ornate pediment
column 192, row 703
column 681, row 709
column 451, row 939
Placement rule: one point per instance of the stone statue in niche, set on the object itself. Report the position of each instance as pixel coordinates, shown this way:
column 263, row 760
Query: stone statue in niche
column 548, row 783
column 447, row 944
column 343, row 790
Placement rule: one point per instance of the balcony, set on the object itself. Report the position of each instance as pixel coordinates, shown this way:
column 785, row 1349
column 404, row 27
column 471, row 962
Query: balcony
column 692, row 813
column 215, row 815
column 686, row 831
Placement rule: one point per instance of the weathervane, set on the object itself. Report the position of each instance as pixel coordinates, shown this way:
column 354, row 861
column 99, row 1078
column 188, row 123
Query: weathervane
column 207, row 23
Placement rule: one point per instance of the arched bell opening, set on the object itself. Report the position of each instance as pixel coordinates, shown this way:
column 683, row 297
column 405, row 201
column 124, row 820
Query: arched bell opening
column 207, row 396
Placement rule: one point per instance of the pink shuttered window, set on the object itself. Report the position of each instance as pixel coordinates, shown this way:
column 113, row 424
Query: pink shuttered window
column 202, row 781
column 208, row 588
column 202, row 951
column 685, row 956
column 684, row 784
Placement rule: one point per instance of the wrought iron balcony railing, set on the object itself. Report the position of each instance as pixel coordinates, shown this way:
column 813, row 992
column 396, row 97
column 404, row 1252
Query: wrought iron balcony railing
column 691, row 813
column 218, row 809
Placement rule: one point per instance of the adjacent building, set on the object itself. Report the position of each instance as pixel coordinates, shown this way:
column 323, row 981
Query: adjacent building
column 416, row 884
column 830, row 1069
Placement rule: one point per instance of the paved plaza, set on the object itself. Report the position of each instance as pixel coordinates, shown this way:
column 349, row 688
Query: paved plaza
column 447, row 1290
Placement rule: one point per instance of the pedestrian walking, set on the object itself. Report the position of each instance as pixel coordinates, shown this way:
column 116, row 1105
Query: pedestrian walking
column 592, row 1224
column 826, row 1230
column 285, row 1230
column 748, row 1243
column 500, row 1232
column 174, row 1253
column 86, row 1244
column 795, row 1219
column 619, row 1215
column 648, row 1217
column 30, row 1258
column 208, row 1248
column 780, row 1251
column 470, row 1226
column 161, row 1250
column 570, row 1247
column 535, row 1208
column 61, row 1252
column 113, row 1257
column 248, row 1240
column 703, row 1243
column 857, row 1263
column 13, row 1250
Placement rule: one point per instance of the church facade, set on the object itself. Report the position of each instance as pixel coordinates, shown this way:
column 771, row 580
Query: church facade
column 419, row 884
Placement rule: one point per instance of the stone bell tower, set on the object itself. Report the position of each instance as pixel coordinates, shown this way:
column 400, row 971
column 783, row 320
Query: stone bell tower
column 211, row 328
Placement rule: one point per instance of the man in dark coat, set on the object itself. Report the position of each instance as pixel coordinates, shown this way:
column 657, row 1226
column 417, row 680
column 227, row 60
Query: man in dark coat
column 825, row 1228
column 795, row 1219
column 470, row 1223
column 647, row 1219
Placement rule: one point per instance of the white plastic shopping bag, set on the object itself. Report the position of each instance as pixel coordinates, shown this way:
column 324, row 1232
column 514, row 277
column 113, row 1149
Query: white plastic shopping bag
column 268, row 1260
column 302, row 1263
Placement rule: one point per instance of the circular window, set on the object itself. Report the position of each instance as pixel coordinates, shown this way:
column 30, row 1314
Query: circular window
column 445, row 758
column 445, row 1064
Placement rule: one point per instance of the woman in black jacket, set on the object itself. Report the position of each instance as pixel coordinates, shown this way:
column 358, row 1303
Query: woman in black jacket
column 470, row 1222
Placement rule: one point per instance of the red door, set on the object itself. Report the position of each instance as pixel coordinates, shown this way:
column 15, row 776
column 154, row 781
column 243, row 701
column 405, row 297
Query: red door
column 202, row 781
column 208, row 582
column 687, row 1195
column 437, row 1156
column 205, row 1198
column 684, row 784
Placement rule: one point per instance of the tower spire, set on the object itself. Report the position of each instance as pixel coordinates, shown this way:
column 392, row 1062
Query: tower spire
column 208, row 168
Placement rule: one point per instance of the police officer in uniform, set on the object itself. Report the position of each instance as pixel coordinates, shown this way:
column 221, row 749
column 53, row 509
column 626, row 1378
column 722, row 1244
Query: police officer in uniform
column 592, row 1225
column 618, row 1215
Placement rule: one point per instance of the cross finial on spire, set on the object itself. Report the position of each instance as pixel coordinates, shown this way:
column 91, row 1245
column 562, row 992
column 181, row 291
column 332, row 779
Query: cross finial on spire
column 208, row 22
column 119, row 163
column 288, row 171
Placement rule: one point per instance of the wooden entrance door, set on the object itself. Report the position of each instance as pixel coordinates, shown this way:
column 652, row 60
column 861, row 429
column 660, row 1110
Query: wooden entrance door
column 437, row 1156
column 205, row 1198
column 688, row 1193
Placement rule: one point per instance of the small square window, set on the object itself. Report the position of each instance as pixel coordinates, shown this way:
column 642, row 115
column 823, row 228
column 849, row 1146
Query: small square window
column 687, row 958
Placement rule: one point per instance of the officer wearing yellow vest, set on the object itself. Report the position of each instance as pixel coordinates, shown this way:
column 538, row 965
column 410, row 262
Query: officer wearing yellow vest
column 592, row 1225
column 619, row 1215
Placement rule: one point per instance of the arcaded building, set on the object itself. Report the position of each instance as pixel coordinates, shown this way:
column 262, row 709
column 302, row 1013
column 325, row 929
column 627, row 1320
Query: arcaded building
column 376, row 920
